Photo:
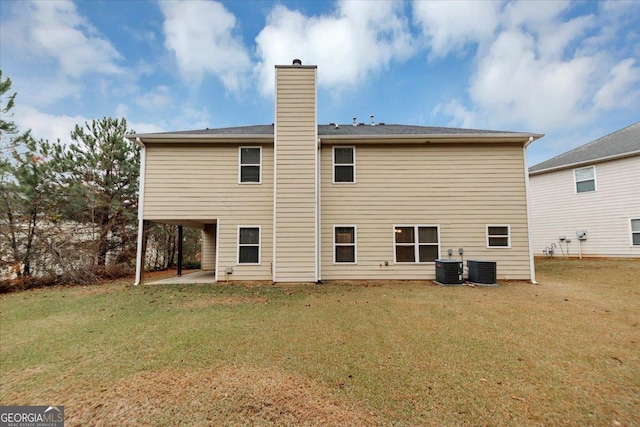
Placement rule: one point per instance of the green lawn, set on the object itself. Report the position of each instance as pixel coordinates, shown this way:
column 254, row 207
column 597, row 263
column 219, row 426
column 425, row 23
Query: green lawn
column 564, row 352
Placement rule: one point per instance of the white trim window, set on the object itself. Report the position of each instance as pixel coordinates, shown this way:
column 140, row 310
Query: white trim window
column 249, row 244
column 498, row 236
column 344, row 244
column 416, row 243
column 344, row 165
column 634, row 223
column 249, row 165
column 585, row 179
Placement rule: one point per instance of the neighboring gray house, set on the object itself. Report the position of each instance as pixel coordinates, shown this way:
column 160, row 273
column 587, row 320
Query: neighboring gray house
column 592, row 191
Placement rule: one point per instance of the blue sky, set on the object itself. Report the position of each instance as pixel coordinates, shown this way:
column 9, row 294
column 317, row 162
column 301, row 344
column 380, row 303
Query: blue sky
column 570, row 70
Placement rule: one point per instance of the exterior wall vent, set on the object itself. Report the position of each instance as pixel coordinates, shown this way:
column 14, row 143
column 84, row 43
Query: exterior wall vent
column 448, row 272
column 483, row 272
column 297, row 62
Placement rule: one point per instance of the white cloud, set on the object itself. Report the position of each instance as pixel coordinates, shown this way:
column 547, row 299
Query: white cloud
column 46, row 126
column 450, row 25
column 158, row 97
column 555, row 37
column 532, row 14
column 358, row 39
column 191, row 118
column 539, row 71
column 44, row 91
column 201, row 36
column 142, row 127
column 512, row 84
column 55, row 30
column 53, row 127
column 616, row 92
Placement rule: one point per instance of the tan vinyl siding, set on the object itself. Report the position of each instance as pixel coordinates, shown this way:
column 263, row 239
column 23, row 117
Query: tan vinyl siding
column 459, row 187
column 557, row 210
column 295, row 191
column 199, row 182
column 208, row 260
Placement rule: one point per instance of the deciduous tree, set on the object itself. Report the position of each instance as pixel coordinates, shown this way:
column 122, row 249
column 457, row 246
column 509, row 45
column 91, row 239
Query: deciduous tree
column 25, row 180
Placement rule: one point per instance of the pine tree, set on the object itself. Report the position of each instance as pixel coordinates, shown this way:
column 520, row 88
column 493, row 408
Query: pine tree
column 6, row 127
column 99, row 182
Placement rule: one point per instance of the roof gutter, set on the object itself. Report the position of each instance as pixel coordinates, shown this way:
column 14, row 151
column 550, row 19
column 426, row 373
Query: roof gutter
column 432, row 138
column 181, row 138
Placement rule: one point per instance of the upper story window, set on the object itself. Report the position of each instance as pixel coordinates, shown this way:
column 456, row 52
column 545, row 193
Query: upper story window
column 635, row 232
column 585, row 179
column 344, row 241
column 249, row 245
column 498, row 236
column 344, row 164
column 416, row 243
column 250, row 169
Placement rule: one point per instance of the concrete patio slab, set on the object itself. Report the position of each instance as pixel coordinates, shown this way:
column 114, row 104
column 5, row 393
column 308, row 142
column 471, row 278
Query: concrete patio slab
column 191, row 278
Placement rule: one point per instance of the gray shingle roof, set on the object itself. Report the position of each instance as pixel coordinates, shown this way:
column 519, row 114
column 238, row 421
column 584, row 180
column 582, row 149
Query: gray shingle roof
column 392, row 129
column 616, row 144
column 342, row 129
column 238, row 130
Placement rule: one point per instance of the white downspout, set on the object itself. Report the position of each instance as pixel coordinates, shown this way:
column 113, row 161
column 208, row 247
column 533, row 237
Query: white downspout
column 318, row 209
column 215, row 275
column 532, row 267
column 139, row 254
column 274, row 243
column 317, row 187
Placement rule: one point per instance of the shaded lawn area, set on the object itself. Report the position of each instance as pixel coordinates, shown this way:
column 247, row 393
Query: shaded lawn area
column 406, row 353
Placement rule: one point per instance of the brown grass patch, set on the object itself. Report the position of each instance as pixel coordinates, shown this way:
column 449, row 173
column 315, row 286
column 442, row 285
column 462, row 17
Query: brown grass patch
column 237, row 395
column 228, row 301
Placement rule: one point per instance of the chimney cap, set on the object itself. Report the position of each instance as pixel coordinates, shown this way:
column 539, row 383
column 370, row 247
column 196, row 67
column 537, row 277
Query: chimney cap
column 297, row 62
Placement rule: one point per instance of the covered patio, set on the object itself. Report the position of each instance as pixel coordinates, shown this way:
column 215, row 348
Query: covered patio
column 208, row 252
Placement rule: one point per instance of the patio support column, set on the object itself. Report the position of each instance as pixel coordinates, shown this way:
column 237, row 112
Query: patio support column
column 179, row 250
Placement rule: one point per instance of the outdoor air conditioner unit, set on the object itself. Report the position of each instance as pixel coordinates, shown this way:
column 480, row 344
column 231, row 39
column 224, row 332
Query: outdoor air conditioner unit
column 448, row 272
column 483, row 272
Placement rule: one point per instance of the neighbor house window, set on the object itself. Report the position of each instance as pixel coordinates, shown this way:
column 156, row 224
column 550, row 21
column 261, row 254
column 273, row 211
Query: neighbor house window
column 635, row 232
column 344, row 242
column 585, row 179
column 249, row 245
column 344, row 164
column 498, row 236
column 250, row 165
column 416, row 243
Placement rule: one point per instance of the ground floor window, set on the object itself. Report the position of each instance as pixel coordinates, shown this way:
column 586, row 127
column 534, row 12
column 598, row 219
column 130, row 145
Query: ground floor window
column 416, row 243
column 635, row 232
column 344, row 242
column 248, row 245
column 498, row 236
